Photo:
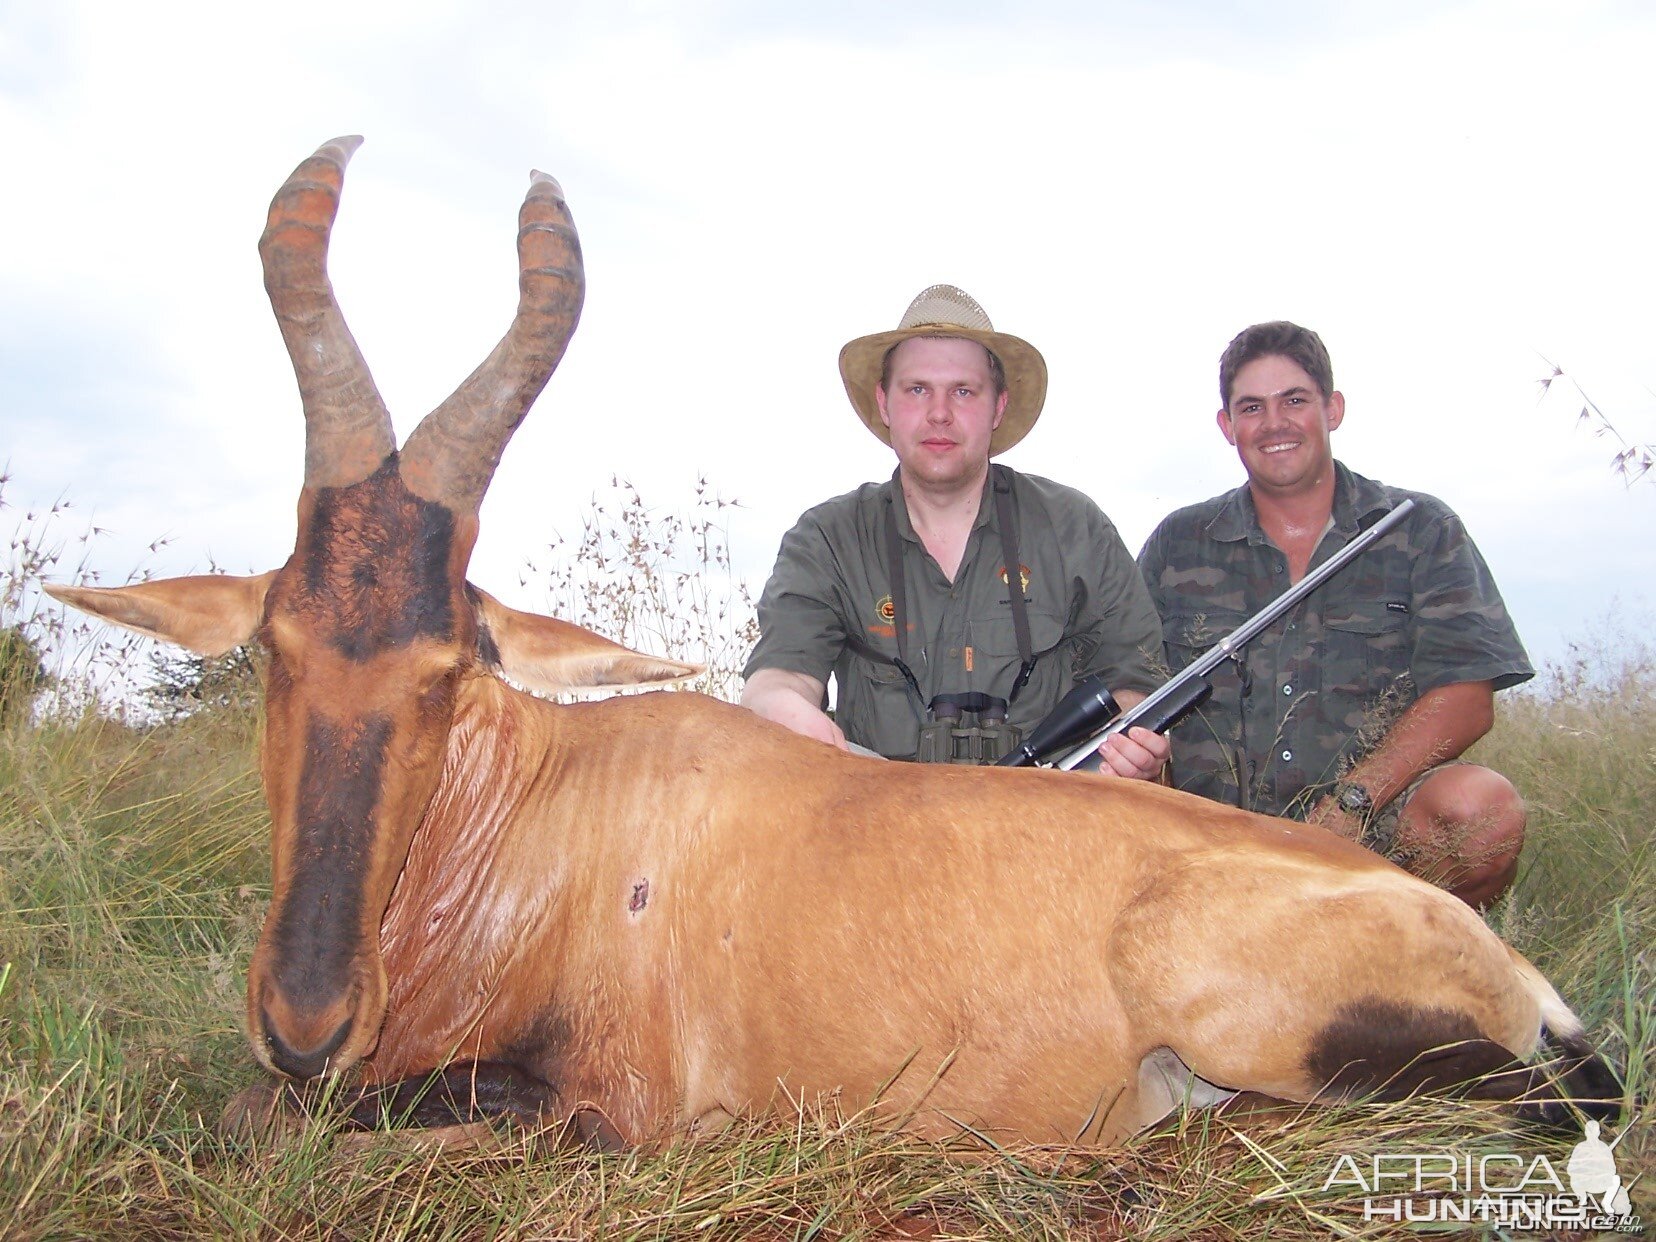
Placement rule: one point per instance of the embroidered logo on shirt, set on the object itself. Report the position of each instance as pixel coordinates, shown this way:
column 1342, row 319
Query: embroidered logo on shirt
column 1023, row 577
column 885, row 610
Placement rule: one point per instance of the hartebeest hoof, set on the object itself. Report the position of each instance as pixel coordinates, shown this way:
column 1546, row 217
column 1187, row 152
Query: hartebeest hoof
column 269, row 1110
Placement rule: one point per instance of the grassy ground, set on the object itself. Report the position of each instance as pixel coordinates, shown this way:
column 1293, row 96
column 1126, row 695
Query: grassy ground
column 133, row 875
column 133, row 878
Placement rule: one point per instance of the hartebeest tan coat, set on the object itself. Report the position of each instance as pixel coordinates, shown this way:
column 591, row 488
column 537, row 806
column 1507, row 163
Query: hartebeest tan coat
column 656, row 912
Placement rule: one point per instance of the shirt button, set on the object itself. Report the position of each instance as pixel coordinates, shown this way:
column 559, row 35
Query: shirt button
column 1287, row 689
column 1287, row 755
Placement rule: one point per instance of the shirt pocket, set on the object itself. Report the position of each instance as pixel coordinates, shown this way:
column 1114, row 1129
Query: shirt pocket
column 996, row 660
column 881, row 674
column 1188, row 635
column 873, row 665
column 1366, row 651
column 997, row 636
column 875, row 707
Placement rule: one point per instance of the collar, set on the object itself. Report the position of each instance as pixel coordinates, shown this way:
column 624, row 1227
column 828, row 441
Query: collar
column 1355, row 498
column 899, row 502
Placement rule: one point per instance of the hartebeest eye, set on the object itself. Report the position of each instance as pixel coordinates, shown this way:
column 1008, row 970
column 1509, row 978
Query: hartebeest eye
column 433, row 666
column 285, row 641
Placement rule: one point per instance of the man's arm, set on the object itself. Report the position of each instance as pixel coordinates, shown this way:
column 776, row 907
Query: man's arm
column 1437, row 727
column 791, row 700
column 1465, row 647
column 1120, row 626
column 800, row 627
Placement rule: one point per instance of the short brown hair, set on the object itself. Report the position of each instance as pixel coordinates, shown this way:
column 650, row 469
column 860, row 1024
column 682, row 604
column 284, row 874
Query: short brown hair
column 1300, row 346
column 997, row 373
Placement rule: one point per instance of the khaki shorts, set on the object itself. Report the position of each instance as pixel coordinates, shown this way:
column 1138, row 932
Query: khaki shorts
column 1380, row 833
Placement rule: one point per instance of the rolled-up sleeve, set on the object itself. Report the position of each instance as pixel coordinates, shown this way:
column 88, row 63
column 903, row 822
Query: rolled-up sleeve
column 801, row 624
column 1462, row 629
column 1118, row 634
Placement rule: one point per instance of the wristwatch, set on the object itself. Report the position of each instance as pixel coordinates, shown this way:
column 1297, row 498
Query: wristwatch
column 1353, row 799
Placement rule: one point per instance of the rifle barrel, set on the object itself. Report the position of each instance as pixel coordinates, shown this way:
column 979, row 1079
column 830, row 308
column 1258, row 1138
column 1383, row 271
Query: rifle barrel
column 1238, row 638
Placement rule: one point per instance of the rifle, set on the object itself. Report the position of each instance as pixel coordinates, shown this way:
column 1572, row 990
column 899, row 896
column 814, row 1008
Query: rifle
column 1079, row 713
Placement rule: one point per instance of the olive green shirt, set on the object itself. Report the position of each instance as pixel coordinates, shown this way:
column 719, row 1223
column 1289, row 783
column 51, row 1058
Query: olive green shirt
column 1319, row 689
column 827, row 609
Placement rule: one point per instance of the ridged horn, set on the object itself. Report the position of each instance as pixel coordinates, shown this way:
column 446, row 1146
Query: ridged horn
column 452, row 454
column 347, row 427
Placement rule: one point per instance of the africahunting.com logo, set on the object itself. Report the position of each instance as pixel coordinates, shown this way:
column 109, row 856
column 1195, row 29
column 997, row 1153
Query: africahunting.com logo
column 1518, row 1193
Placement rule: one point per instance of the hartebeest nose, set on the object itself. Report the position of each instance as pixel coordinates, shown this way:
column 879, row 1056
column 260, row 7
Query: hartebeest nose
column 301, row 1062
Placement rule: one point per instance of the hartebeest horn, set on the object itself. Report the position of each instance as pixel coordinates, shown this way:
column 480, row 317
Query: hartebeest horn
column 452, row 454
column 347, row 427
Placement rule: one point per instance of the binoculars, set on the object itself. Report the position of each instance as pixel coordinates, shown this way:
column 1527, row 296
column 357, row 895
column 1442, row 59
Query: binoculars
column 969, row 729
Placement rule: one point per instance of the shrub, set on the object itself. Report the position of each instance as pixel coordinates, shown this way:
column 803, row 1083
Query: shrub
column 657, row 580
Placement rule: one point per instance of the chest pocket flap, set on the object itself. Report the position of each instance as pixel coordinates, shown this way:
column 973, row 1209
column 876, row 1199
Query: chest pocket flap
column 1370, row 618
column 1366, row 647
column 1195, row 632
column 997, row 636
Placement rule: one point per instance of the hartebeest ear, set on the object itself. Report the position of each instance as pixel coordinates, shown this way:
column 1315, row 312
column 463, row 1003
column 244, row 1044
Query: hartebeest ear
column 207, row 613
column 552, row 656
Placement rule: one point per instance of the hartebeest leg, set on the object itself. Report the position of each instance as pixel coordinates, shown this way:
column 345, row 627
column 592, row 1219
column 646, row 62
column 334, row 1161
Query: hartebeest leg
column 474, row 1092
column 1340, row 991
column 1164, row 1083
column 459, row 1103
column 458, row 1094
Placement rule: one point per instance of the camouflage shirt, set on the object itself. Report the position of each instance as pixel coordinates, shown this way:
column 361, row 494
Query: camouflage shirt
column 1320, row 688
column 827, row 609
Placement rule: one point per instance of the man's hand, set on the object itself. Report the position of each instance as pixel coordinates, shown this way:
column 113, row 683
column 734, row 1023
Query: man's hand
column 1436, row 727
column 1137, row 754
column 790, row 699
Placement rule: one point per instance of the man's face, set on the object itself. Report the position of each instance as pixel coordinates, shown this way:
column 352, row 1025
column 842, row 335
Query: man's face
column 1279, row 422
column 941, row 410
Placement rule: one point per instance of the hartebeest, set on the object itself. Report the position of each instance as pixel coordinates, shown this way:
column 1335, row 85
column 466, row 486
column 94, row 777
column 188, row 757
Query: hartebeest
column 655, row 912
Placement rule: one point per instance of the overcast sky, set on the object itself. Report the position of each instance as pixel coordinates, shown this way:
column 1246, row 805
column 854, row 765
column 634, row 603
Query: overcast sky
column 1447, row 192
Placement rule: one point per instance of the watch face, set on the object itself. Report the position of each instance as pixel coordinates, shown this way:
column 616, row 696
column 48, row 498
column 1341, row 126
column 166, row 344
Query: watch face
column 1356, row 800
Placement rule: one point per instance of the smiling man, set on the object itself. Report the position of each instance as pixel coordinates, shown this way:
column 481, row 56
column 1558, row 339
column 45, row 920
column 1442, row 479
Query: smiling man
column 956, row 602
column 1353, row 710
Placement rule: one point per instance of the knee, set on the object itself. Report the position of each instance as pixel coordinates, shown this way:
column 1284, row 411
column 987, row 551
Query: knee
column 1466, row 815
column 1464, row 829
column 1467, row 810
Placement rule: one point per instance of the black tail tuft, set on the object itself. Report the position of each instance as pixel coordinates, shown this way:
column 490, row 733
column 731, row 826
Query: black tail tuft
column 1578, row 1084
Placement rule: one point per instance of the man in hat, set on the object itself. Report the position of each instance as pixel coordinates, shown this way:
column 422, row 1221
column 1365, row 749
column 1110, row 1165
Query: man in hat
column 955, row 586
column 1351, row 711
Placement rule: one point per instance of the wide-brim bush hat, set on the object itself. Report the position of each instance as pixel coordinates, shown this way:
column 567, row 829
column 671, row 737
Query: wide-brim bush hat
column 944, row 310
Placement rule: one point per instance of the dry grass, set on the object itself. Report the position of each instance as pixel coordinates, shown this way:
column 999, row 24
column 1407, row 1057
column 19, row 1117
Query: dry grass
column 656, row 580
